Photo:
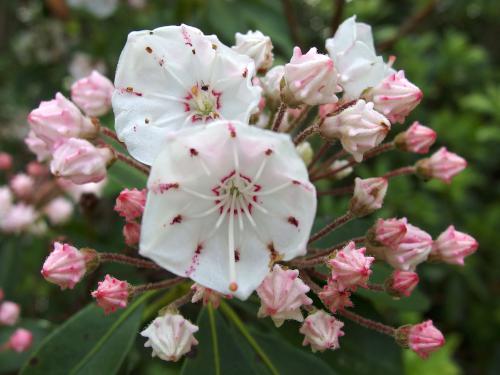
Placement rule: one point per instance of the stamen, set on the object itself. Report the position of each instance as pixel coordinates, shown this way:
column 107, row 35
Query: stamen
column 240, row 217
column 255, row 204
column 257, row 176
column 231, row 249
column 202, row 196
column 209, row 211
column 273, row 190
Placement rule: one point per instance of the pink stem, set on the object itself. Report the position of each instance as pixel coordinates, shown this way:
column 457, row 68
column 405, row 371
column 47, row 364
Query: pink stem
column 124, row 259
column 158, row 285
column 279, row 117
column 400, row 172
column 134, row 164
column 368, row 323
column 337, row 223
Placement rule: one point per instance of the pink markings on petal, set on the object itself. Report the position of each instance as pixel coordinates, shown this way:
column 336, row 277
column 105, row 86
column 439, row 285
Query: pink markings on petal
column 293, row 221
column 195, row 260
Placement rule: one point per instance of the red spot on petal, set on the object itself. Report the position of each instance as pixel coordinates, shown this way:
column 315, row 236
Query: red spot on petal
column 292, row 220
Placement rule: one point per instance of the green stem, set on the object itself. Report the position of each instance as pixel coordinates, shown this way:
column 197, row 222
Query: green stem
column 215, row 342
column 165, row 299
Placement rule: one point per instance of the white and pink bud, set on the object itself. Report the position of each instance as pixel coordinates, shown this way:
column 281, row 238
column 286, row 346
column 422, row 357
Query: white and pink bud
column 417, row 138
column 56, row 120
column 335, row 298
column 396, row 97
column 36, row 169
column 170, row 336
column 258, row 47
column 359, row 128
column 80, row 161
column 206, row 295
column 271, row 83
column 18, row 218
column 326, row 109
column 58, row 210
column 350, row 267
column 112, row 294
column 282, row 294
column 9, row 313
column 453, row 246
column 311, row 78
column 22, row 185
column 368, row 195
column 321, row 331
column 422, row 338
column 21, row 340
column 5, row 161
column 130, row 203
column 389, row 231
column 37, row 146
column 132, row 233
column 93, row 94
column 402, row 283
column 443, row 165
column 305, row 151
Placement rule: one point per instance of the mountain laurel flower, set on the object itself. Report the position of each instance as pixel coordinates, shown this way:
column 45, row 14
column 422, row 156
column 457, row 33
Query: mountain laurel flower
column 170, row 336
column 359, row 128
column 353, row 52
column 306, row 152
column 282, row 294
column 396, row 97
column 368, row 196
column 66, row 265
column 271, row 83
column 80, row 161
column 335, row 298
column 132, row 233
column 411, row 250
column 22, row 185
column 112, row 294
column 311, row 78
column 20, row 340
column 38, row 147
column 5, row 161
column 417, row 138
column 257, row 46
column 453, row 246
column 130, row 203
column 9, row 313
column 157, row 93
column 388, row 231
column 93, row 94
column 206, row 295
column 402, row 283
column 443, row 165
column 18, row 218
column 350, row 267
column 321, row 331
column 337, row 164
column 56, row 120
column 58, row 210
column 422, row 338
column 6, row 199
column 246, row 203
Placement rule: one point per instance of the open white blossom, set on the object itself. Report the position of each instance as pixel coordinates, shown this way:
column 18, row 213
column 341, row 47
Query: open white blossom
column 224, row 203
column 175, row 77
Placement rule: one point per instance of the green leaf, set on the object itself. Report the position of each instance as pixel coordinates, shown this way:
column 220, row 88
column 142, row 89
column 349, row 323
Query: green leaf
column 88, row 343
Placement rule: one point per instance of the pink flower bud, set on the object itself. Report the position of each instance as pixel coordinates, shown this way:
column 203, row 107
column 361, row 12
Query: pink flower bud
column 311, row 78
column 321, row 331
column 282, row 294
column 442, row 165
column 18, row 218
column 58, row 210
column 132, row 233
column 20, row 340
column 453, row 246
column 65, row 265
column 350, row 267
column 111, row 294
column 207, row 295
column 93, row 94
column 402, row 283
column 368, row 195
column 59, row 119
column 417, row 139
column 424, row 338
column 38, row 147
column 271, row 82
column 396, row 97
column 9, row 313
column 334, row 297
column 359, row 128
column 35, row 169
column 5, row 161
column 389, row 231
column 130, row 203
column 22, row 185
column 80, row 161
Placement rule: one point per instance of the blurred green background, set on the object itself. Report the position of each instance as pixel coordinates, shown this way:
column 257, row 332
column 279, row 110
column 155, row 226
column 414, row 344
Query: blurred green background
column 449, row 48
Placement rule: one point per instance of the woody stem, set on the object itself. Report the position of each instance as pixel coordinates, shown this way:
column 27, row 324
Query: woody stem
column 124, row 259
column 279, row 117
column 158, row 285
column 134, row 164
column 337, row 223
column 400, row 172
column 368, row 323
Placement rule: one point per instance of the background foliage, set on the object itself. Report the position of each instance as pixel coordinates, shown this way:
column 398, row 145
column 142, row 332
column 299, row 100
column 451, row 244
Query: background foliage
column 450, row 50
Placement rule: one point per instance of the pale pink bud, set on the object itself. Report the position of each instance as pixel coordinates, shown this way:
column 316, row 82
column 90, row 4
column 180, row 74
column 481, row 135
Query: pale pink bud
column 5, row 161
column 35, row 169
column 396, row 97
column 271, row 82
column 453, row 246
column 282, row 294
column 257, row 46
column 20, row 340
column 130, row 203
column 389, row 231
column 350, row 267
column 18, row 218
column 417, row 139
column 443, row 165
column 80, row 161
column 311, row 78
column 38, row 147
column 132, row 233
column 359, row 128
column 334, row 297
column 402, row 283
column 65, row 265
column 424, row 338
column 93, row 94
column 58, row 119
column 6, row 199
column 206, row 295
column 58, row 210
column 321, row 331
column 111, row 294
column 9, row 313
column 368, row 195
column 22, row 185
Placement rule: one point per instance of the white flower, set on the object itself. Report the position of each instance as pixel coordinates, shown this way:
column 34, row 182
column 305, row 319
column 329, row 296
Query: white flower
column 58, row 210
column 175, row 77
column 257, row 46
column 20, row 217
column 353, row 53
column 224, row 203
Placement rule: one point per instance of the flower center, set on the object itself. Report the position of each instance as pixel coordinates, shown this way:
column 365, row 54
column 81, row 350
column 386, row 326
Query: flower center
column 238, row 187
column 203, row 103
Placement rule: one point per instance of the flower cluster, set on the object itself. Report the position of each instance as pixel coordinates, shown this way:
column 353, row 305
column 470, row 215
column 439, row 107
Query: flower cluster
column 21, row 339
